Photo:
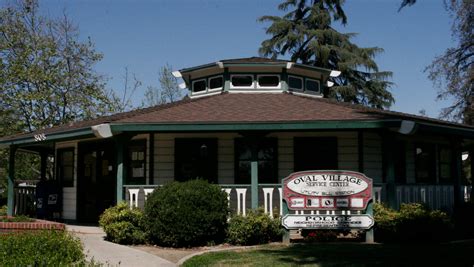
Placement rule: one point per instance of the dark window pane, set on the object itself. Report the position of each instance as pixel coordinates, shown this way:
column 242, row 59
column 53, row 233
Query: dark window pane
column 199, row 86
column 295, row 83
column 216, row 82
column 445, row 164
column 242, row 80
column 196, row 158
column 425, row 163
column 400, row 162
column 66, row 167
column 267, row 161
column 315, row 153
column 268, row 81
column 136, row 162
column 312, row 85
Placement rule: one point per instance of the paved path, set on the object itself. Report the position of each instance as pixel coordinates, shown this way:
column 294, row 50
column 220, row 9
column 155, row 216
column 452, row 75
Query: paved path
column 112, row 254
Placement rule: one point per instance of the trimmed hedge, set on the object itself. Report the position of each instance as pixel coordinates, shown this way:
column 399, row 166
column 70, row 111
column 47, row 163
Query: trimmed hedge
column 40, row 248
column 414, row 222
column 123, row 225
column 255, row 228
column 187, row 214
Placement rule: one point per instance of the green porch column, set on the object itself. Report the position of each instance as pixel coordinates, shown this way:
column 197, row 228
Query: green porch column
column 389, row 160
column 11, row 180
column 120, row 149
column 254, row 177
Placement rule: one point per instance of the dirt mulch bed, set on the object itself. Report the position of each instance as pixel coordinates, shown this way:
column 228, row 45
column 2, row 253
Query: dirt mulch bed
column 175, row 254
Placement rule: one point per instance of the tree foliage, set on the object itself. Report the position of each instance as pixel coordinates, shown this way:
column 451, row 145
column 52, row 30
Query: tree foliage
column 306, row 34
column 167, row 92
column 453, row 72
column 46, row 71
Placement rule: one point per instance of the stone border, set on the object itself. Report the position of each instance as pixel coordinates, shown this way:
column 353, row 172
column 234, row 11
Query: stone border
column 27, row 226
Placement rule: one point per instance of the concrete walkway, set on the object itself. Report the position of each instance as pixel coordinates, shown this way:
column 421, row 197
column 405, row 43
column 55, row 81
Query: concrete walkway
column 111, row 254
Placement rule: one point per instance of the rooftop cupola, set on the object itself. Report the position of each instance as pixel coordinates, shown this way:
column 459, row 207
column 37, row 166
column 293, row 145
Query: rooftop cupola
column 255, row 75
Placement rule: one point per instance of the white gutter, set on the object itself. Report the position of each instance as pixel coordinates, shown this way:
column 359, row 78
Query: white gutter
column 407, row 127
column 177, row 74
column 334, row 73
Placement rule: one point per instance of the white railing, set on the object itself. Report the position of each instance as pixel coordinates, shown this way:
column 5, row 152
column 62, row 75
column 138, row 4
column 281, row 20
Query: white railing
column 270, row 196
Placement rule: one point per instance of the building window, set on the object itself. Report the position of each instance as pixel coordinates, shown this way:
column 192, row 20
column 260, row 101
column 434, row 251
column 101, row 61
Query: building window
column 400, row 162
column 445, row 163
column 425, row 163
column 312, row 86
column 199, row 86
column 216, row 83
column 195, row 158
column 268, row 81
column 315, row 153
column 295, row 83
column 241, row 81
column 65, row 171
column 266, row 158
column 136, row 162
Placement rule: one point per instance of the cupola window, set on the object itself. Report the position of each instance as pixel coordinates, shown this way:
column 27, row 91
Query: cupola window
column 242, row 81
column 216, row 83
column 199, row 86
column 270, row 81
column 312, row 86
column 295, row 83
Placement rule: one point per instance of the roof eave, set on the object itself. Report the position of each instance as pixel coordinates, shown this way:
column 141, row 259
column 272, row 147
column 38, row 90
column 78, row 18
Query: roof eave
column 40, row 137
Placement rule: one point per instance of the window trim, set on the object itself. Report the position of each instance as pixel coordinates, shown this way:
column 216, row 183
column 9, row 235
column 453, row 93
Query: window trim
column 268, row 87
column 433, row 166
column 200, row 92
column 302, row 83
column 209, row 82
column 61, row 179
column 309, row 91
column 252, row 86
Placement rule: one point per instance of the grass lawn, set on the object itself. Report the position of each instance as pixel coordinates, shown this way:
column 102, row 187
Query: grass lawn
column 345, row 254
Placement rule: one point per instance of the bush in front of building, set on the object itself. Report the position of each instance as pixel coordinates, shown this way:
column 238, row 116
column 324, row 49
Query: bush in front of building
column 255, row 228
column 414, row 222
column 3, row 210
column 40, row 248
column 123, row 225
column 186, row 214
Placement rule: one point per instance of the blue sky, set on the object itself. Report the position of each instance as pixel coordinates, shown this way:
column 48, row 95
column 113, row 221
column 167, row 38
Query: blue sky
column 145, row 35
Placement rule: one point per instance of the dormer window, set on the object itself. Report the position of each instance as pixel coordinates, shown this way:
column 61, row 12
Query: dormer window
column 295, row 83
column 216, row 83
column 312, row 86
column 268, row 81
column 241, row 81
column 199, row 86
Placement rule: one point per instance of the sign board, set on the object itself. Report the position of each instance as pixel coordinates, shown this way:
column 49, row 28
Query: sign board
column 301, row 221
column 327, row 190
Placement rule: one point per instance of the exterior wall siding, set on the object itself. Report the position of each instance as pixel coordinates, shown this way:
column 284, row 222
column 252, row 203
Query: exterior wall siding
column 373, row 157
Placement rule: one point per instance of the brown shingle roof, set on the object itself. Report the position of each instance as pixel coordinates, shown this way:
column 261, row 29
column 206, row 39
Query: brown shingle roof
column 248, row 108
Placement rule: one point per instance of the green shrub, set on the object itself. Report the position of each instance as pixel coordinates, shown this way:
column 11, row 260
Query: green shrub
column 123, row 225
column 186, row 214
column 3, row 210
column 413, row 223
column 255, row 228
column 19, row 218
column 40, row 248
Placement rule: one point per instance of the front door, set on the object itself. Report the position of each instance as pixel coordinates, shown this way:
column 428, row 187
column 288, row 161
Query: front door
column 96, row 180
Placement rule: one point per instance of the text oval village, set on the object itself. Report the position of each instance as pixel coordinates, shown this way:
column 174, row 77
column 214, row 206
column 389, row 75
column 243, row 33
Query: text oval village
column 327, row 184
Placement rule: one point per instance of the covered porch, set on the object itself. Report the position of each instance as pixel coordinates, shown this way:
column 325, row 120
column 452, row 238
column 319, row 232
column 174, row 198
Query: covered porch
column 247, row 143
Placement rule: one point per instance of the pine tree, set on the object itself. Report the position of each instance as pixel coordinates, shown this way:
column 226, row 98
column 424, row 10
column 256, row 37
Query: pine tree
column 307, row 36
